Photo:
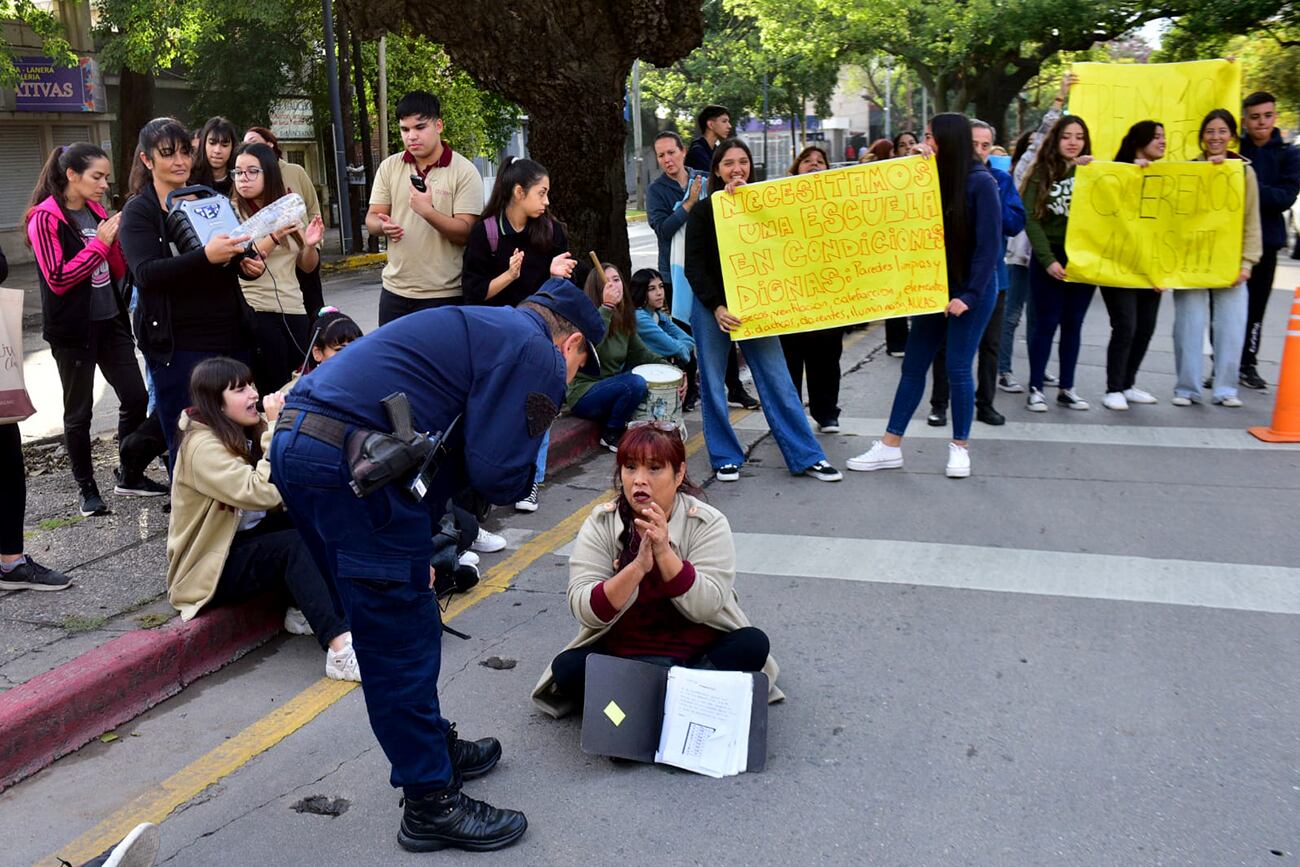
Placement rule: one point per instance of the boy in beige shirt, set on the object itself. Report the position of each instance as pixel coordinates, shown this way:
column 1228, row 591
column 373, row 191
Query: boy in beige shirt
column 426, row 229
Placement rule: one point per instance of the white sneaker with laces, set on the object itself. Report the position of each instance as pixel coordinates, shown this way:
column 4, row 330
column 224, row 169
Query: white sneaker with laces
column 487, row 543
column 469, row 558
column 530, row 502
column 1008, row 383
column 295, row 622
column 342, row 664
column 1115, row 400
column 958, row 462
column 1183, row 400
column 1231, row 401
column 1138, row 395
column 1036, row 402
column 878, row 457
column 1070, row 398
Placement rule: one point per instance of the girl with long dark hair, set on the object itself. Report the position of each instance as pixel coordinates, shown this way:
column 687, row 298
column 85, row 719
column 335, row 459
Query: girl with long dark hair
column 190, row 305
column 816, row 352
column 80, row 268
column 611, row 399
column 229, row 539
column 1133, row 312
column 1047, row 191
column 1230, row 303
column 711, row 322
column 972, row 229
column 518, row 244
column 652, row 576
column 660, row 333
column 281, row 325
column 214, row 156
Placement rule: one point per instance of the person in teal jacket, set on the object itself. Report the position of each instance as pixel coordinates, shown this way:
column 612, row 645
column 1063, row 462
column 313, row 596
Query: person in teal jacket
column 660, row 333
column 612, row 397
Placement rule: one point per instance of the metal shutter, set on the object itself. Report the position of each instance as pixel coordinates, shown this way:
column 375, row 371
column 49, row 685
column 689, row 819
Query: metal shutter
column 21, row 160
column 66, row 135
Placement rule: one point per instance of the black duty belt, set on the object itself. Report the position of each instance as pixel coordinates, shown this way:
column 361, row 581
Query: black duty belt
column 328, row 430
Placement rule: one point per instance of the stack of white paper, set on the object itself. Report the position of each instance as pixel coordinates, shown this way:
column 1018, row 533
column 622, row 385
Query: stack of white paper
column 706, row 721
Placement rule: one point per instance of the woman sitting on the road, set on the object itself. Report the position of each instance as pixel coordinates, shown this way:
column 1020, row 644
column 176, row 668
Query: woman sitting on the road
column 229, row 539
column 612, row 399
column 652, row 577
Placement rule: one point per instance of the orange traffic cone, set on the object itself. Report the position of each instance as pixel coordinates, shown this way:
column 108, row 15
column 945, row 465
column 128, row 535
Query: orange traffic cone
column 1286, row 412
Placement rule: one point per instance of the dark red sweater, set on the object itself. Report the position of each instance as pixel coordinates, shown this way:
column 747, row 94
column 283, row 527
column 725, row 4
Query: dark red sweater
column 654, row 626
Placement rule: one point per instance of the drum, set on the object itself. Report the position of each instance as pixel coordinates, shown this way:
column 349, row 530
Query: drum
column 663, row 401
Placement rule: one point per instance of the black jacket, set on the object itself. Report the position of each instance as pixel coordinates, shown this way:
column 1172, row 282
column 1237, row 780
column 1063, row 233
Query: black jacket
column 703, row 263
column 57, row 244
column 482, row 266
column 160, row 273
column 700, row 155
column 1277, row 169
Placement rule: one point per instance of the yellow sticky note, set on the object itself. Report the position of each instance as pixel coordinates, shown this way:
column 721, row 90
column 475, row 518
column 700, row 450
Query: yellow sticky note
column 615, row 713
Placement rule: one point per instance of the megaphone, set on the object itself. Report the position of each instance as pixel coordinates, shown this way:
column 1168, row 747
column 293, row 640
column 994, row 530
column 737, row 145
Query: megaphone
column 191, row 223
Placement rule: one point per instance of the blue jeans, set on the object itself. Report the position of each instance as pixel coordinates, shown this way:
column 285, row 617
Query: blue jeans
column 375, row 551
column 781, row 404
column 927, row 335
column 1056, row 304
column 1017, row 300
column 148, row 377
column 1191, row 310
column 540, row 475
column 612, row 402
column 171, row 383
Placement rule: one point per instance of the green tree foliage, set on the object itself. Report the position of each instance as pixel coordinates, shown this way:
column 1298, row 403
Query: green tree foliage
column 46, row 26
column 729, row 66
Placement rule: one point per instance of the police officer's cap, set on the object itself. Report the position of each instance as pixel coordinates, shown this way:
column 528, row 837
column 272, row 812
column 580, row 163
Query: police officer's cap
column 564, row 299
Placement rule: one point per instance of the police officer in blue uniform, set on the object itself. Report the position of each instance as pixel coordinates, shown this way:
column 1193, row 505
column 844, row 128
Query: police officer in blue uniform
column 493, row 379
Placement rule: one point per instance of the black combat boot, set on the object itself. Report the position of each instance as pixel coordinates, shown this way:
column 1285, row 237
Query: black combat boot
column 448, row 818
column 472, row 759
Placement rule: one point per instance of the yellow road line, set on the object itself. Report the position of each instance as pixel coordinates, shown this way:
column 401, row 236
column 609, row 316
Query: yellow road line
column 259, row 737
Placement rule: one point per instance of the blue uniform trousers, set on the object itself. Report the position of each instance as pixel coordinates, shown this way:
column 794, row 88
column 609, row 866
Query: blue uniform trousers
column 376, row 551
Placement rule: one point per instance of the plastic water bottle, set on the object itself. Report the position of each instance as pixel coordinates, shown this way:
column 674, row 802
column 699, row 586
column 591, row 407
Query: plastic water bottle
column 284, row 213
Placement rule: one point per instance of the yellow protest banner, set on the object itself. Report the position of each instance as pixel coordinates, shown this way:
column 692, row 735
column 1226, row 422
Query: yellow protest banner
column 833, row 248
column 1175, row 225
column 1111, row 97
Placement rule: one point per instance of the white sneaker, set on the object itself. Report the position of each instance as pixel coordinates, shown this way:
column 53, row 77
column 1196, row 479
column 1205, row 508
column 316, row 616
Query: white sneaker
column 1036, row 402
column 342, row 664
column 1069, row 397
column 295, row 622
column 469, row 558
column 1232, row 401
column 1007, row 383
column 487, row 543
column 878, row 457
column 137, row 849
column 1115, row 400
column 958, row 461
column 1183, row 400
column 1138, row 395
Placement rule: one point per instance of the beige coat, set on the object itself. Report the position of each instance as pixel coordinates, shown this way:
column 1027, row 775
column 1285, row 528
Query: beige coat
column 211, row 488
column 698, row 533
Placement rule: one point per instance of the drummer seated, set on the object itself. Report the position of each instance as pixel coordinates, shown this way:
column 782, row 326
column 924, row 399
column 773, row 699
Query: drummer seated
column 652, row 578
column 660, row 333
column 612, row 399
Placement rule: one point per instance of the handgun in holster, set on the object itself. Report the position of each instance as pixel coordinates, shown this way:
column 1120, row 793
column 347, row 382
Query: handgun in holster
column 405, row 455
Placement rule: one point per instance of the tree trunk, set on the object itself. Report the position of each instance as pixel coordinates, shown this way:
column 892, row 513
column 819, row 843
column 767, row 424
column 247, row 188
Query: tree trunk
column 135, row 93
column 566, row 65
column 367, row 152
column 991, row 107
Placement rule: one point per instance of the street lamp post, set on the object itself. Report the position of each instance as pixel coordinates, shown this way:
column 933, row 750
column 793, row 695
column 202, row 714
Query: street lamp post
column 336, row 108
column 765, row 114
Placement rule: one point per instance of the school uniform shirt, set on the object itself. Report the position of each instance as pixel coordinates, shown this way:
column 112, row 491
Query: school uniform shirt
column 277, row 289
column 296, row 180
column 424, row 264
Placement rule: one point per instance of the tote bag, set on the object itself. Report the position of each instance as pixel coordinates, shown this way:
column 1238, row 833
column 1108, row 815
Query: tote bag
column 15, row 403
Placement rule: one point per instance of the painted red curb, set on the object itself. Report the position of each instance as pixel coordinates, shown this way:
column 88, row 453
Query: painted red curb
column 55, row 713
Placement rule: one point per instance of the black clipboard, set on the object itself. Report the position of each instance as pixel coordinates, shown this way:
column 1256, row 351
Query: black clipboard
column 623, row 710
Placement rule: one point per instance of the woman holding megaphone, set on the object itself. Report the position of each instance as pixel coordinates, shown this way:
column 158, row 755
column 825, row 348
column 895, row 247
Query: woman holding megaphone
column 191, row 307
column 281, row 326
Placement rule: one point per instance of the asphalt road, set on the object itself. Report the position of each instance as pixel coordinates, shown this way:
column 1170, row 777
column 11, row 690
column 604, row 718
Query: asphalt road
column 1084, row 654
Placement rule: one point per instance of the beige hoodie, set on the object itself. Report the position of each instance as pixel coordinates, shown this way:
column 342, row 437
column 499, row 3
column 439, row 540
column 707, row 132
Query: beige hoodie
column 211, row 488
column 698, row 533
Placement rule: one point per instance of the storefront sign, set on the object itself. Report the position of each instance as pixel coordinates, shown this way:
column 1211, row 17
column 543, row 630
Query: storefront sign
column 44, row 86
column 291, row 119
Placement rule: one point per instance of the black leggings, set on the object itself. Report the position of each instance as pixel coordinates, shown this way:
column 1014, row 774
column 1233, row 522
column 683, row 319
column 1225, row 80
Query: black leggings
column 1133, row 315
column 272, row 556
column 13, row 482
column 745, row 649
column 109, row 347
column 818, row 354
column 281, row 341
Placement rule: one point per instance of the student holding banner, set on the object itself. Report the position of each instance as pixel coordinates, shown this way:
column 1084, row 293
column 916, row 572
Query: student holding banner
column 711, row 322
column 1047, row 192
column 972, row 231
column 1133, row 312
column 1192, row 306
